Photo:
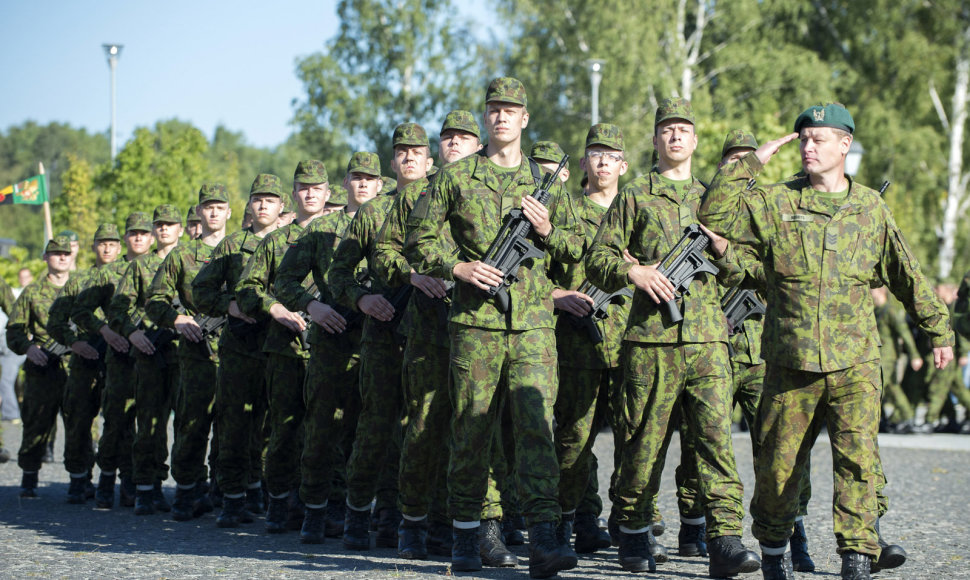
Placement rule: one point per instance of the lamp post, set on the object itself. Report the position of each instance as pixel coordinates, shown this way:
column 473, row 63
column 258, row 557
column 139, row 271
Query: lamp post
column 113, row 51
column 595, row 76
column 853, row 158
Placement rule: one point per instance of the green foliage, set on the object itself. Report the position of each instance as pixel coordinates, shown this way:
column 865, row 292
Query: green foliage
column 19, row 259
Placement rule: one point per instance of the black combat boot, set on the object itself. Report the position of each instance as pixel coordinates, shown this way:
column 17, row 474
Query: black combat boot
column 28, row 485
column 388, row 520
column 465, row 551
column 547, row 556
column 297, row 509
column 158, row 499
column 232, row 509
column 254, row 501
column 357, row 529
column 492, row 549
column 412, row 539
column 777, row 567
column 589, row 536
column 564, row 531
column 511, row 535
column 104, row 497
column 657, row 550
column 312, row 530
column 891, row 556
column 334, row 520
column 439, row 539
column 215, row 494
column 126, row 493
column 855, row 566
column 182, row 507
column 729, row 557
column 202, row 503
column 634, row 552
column 75, row 492
column 144, row 502
column 276, row 514
column 800, row 559
column 692, row 540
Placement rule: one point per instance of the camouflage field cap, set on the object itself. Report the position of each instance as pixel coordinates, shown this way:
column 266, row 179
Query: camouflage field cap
column 364, row 162
column 831, row 115
column 338, row 196
column 211, row 192
column 71, row 235
column 459, row 120
column 506, row 90
column 547, row 151
column 410, row 134
column 310, row 171
column 138, row 221
column 267, row 183
column 107, row 232
column 192, row 216
column 674, row 108
column 738, row 139
column 390, row 184
column 606, row 135
column 60, row 243
column 167, row 214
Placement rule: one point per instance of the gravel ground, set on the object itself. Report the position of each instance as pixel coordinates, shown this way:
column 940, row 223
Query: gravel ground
column 48, row 538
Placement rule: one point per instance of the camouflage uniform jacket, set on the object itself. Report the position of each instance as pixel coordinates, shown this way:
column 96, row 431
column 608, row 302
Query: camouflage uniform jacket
column 28, row 320
column 214, row 284
column 648, row 219
column 961, row 311
column 91, row 304
column 254, row 292
column 819, row 267
column 59, row 322
column 126, row 311
column 6, row 297
column 575, row 347
column 468, row 199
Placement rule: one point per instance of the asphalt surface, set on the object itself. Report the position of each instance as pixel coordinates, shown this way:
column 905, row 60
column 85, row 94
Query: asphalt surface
column 47, row 538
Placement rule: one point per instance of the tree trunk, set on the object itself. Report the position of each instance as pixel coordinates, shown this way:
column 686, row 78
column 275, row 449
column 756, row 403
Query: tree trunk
column 955, row 206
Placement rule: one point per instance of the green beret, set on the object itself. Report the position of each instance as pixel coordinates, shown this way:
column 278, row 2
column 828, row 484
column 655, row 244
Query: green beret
column 71, row 235
column 365, row 162
column 310, row 171
column 674, row 108
column 213, row 192
column 606, row 135
column 461, row 121
column 506, row 90
column 738, row 139
column 60, row 243
column 390, row 184
column 547, row 151
column 138, row 221
column 831, row 115
column 167, row 214
column 192, row 216
column 267, row 183
column 410, row 134
column 107, row 232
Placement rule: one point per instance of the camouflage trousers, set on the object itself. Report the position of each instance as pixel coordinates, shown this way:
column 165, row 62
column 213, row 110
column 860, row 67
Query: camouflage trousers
column 424, row 462
column 655, row 378
column 375, row 460
column 156, row 387
column 943, row 383
column 43, row 397
column 795, row 406
column 285, row 376
column 82, row 401
column 488, row 368
column 193, row 415
column 240, row 410
column 892, row 392
column 332, row 397
column 582, row 397
column 118, row 414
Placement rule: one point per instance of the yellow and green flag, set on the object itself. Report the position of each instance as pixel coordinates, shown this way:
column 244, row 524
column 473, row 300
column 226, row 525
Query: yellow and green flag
column 32, row 191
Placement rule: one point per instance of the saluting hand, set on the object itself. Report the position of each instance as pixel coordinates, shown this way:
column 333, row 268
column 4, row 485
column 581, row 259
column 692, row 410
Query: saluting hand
column 766, row 151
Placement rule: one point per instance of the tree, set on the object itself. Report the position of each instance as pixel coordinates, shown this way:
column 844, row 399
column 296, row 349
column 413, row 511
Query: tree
column 77, row 206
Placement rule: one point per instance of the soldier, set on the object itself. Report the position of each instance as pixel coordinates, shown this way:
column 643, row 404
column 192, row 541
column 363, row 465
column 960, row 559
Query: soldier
column 193, row 223
column 891, row 323
column 961, row 308
column 824, row 240
column 942, row 383
column 46, row 372
column 497, row 355
column 377, row 443
column 75, row 246
column 117, row 401
column 240, row 397
column 85, row 381
column 285, row 354
column 156, row 366
column 197, row 351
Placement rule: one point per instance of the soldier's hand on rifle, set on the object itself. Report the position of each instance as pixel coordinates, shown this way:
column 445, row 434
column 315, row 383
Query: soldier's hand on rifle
column 235, row 312
column 188, row 327
column 376, row 306
column 326, row 317
column 114, row 340
column 628, row 257
column 572, row 301
column 478, row 274
column 766, row 151
column 36, row 355
column 942, row 355
column 432, row 287
column 651, row 281
column 84, row 349
column 141, row 342
column 538, row 216
column 718, row 244
column 291, row 320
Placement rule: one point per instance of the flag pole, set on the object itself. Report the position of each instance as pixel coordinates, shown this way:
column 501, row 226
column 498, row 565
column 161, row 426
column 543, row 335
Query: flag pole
column 48, row 226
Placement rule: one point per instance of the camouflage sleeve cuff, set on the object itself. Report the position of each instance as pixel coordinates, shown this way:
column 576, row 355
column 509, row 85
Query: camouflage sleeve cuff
column 948, row 339
column 356, row 293
column 303, row 302
column 168, row 319
column 623, row 270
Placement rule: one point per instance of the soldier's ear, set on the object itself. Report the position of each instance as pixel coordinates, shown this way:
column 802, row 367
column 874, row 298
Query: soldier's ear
column 525, row 118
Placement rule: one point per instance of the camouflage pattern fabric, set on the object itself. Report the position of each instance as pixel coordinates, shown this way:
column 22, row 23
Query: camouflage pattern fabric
column 946, row 382
column 961, row 309
column 892, row 326
column 6, row 296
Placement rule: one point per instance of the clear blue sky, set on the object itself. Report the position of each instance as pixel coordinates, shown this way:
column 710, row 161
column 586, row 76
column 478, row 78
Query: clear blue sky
column 209, row 63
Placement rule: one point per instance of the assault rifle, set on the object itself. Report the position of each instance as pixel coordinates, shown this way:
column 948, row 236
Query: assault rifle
column 683, row 263
column 739, row 305
column 510, row 248
column 54, row 351
column 598, row 310
column 210, row 325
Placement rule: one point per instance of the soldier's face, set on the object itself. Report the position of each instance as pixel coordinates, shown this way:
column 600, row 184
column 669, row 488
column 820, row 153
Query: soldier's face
column 265, row 209
column 455, row 145
column 138, row 242
column 107, row 250
column 675, row 140
column 411, row 163
column 214, row 216
column 167, row 234
column 823, row 149
column 362, row 187
column 604, row 166
column 311, row 197
column 58, row 262
column 504, row 122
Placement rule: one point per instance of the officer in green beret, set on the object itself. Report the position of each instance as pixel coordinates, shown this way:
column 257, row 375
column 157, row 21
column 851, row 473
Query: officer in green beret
column 45, row 372
column 823, row 240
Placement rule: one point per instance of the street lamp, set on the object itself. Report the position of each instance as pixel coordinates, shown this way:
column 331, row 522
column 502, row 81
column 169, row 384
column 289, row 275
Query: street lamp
column 113, row 51
column 853, row 158
column 595, row 76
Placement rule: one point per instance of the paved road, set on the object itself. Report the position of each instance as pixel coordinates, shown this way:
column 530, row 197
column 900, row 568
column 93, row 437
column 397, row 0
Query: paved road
column 47, row 538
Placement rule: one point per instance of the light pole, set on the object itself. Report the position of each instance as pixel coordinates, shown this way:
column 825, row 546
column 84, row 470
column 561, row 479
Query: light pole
column 853, row 158
column 113, row 51
column 595, row 76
